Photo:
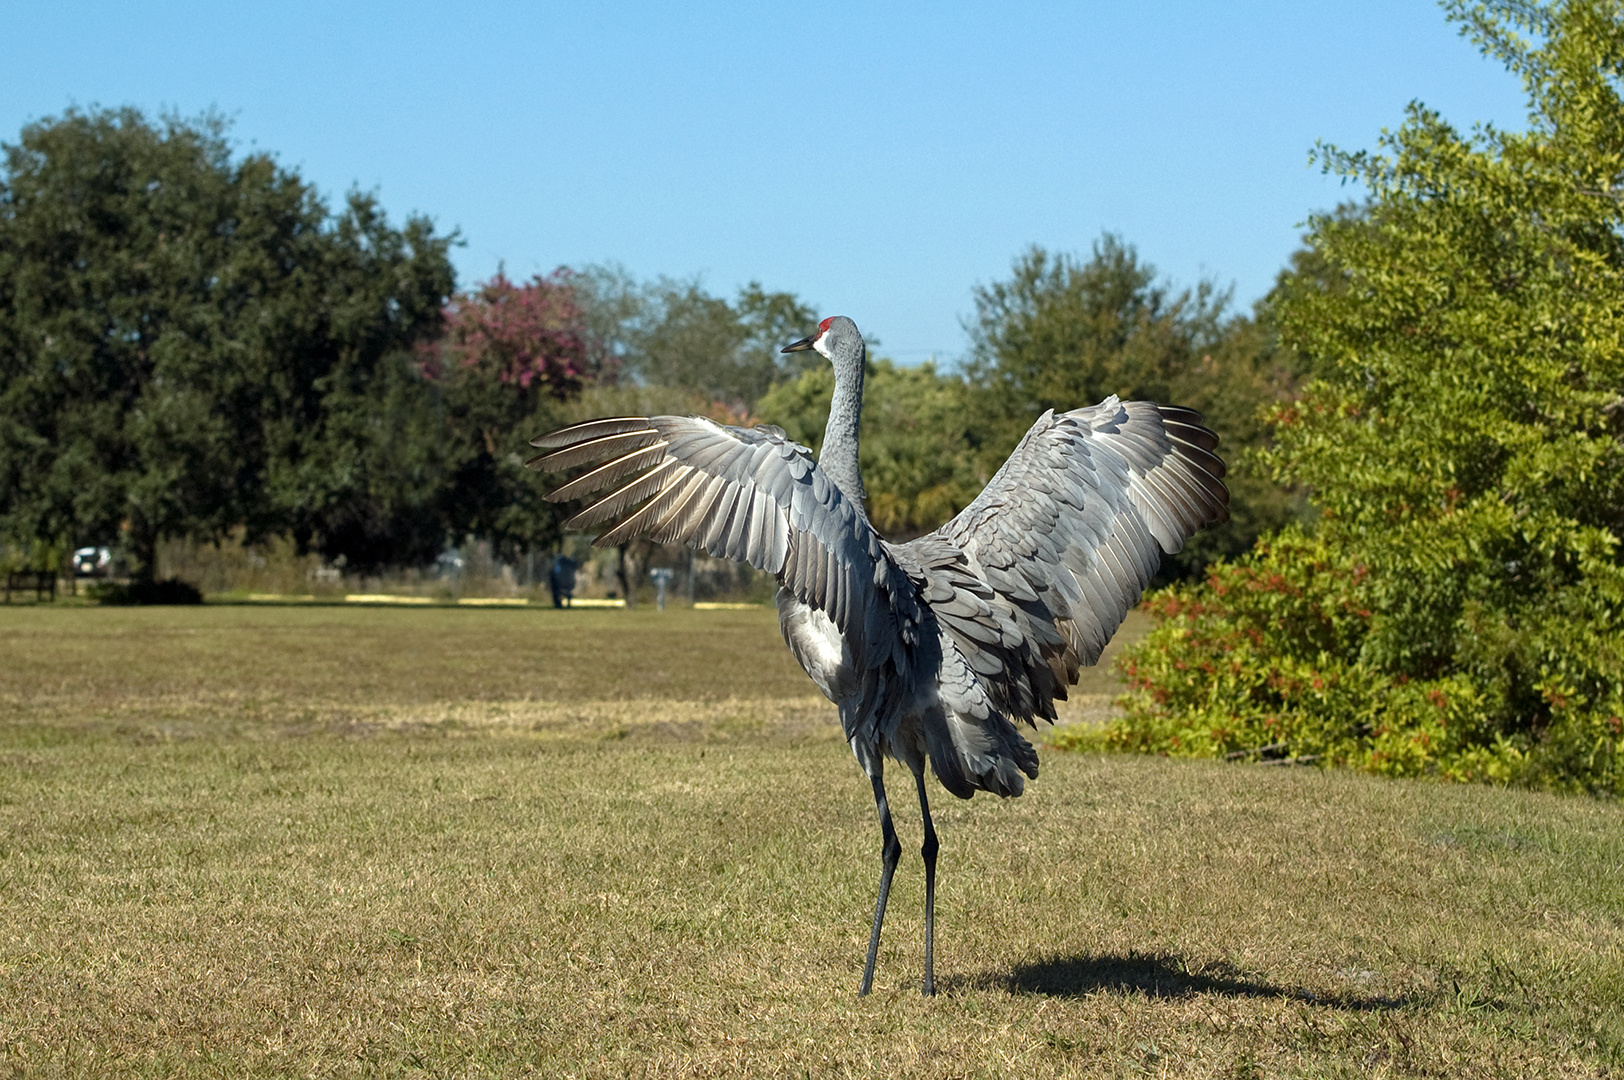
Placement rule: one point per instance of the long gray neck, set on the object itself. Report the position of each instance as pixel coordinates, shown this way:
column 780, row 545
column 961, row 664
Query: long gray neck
column 838, row 458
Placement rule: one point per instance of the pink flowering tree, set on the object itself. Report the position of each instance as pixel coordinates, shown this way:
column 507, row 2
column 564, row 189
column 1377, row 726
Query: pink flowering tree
column 509, row 354
column 524, row 336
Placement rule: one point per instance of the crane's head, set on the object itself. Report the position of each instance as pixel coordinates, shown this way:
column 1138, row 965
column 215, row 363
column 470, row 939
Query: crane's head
column 836, row 336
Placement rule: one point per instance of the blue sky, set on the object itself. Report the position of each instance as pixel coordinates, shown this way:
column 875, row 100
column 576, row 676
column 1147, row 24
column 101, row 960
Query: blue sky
column 877, row 159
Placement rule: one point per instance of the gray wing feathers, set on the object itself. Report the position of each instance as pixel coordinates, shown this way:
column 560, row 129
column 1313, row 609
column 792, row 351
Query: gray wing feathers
column 617, row 502
column 971, row 746
column 1070, row 531
column 595, row 450
column 1166, row 475
column 740, row 493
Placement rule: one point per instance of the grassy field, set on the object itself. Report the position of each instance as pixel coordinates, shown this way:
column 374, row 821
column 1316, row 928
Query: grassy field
column 330, row 841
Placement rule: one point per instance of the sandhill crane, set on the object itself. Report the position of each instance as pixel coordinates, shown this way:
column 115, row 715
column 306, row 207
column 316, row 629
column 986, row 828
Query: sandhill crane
column 933, row 648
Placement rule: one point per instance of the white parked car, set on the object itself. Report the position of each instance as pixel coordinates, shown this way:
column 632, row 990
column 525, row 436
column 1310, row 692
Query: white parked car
column 92, row 562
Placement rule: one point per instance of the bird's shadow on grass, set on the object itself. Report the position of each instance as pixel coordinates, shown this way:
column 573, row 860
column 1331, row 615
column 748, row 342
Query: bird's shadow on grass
column 1159, row 976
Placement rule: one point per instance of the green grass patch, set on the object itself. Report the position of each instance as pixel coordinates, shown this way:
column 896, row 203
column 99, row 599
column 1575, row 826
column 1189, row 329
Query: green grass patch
column 315, row 841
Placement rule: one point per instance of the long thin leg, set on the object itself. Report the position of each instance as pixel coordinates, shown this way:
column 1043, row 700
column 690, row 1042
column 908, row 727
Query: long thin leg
column 889, row 854
column 928, row 850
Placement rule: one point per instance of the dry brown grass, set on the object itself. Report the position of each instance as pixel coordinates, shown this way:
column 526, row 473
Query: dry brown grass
column 328, row 841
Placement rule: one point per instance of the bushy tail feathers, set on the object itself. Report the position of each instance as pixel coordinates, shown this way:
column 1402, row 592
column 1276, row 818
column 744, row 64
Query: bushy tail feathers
column 969, row 754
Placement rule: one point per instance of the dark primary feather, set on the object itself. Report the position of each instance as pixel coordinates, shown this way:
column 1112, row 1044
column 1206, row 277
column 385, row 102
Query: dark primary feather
column 595, row 449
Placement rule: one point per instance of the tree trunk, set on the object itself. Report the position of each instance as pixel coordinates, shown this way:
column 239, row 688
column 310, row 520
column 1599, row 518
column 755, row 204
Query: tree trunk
column 141, row 541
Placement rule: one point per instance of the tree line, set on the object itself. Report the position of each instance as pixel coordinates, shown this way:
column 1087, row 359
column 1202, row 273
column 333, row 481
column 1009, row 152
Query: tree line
column 197, row 344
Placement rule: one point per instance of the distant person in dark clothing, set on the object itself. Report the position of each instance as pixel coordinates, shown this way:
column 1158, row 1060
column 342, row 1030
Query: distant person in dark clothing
column 561, row 581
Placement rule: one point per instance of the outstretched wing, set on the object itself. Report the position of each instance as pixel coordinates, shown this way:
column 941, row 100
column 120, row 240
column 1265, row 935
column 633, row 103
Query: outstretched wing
column 1065, row 537
column 749, row 494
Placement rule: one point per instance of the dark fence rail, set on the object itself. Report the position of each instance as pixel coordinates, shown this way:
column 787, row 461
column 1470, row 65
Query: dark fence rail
column 43, row 582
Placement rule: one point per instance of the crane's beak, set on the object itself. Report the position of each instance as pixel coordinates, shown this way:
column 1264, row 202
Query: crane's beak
column 800, row 346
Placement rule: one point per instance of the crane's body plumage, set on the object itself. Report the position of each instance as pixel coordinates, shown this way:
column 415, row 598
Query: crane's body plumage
column 935, row 649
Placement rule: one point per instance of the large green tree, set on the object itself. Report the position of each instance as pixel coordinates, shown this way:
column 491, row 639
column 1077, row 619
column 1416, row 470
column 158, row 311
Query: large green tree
column 188, row 340
column 1063, row 332
column 675, row 334
column 1459, row 606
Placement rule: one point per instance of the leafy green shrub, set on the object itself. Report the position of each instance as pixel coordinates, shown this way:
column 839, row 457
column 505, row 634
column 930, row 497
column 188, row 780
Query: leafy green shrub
column 1279, row 655
column 170, row 591
column 1458, row 608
